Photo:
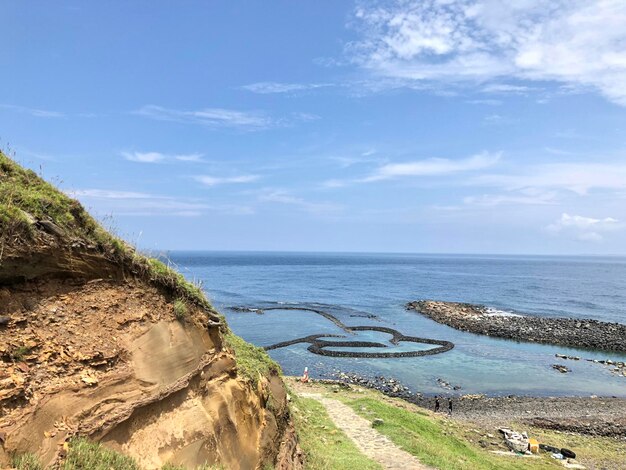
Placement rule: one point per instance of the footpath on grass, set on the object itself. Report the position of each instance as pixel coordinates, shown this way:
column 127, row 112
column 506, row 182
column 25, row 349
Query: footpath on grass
column 369, row 441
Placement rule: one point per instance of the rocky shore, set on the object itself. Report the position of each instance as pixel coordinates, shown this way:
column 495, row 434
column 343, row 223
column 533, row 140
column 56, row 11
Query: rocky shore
column 597, row 416
column 571, row 332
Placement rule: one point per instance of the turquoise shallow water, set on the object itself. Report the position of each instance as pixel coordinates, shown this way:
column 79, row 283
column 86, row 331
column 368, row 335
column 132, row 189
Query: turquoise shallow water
column 380, row 284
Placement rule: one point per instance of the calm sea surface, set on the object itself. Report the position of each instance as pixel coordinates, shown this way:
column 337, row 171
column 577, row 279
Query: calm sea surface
column 380, row 284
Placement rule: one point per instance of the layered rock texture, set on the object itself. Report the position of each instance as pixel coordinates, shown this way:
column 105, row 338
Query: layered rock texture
column 97, row 340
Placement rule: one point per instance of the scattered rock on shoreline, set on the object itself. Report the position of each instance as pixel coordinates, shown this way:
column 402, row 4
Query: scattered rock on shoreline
column 562, row 369
column 598, row 416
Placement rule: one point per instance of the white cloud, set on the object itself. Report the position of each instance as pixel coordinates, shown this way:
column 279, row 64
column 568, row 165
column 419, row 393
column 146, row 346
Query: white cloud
column 578, row 43
column 110, row 194
column 577, row 177
column 208, row 180
column 210, row 117
column 283, row 197
column 506, row 88
column 434, row 167
column 131, row 203
column 488, row 102
column 491, row 200
column 220, row 118
column 276, row 87
column 144, row 157
column 42, row 113
column 191, row 157
column 157, row 157
column 583, row 228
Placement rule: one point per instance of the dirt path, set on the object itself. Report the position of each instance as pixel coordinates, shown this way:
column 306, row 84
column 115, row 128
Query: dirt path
column 369, row 441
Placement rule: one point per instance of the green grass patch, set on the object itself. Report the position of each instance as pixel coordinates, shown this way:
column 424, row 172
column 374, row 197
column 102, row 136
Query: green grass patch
column 434, row 443
column 324, row 445
column 252, row 361
column 86, row 455
column 22, row 190
column 26, row 462
column 180, row 309
column 169, row 466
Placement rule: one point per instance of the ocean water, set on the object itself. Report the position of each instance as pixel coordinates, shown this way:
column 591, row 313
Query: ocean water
column 353, row 285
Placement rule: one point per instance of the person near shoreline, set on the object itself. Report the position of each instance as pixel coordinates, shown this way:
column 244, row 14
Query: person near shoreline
column 437, row 404
column 450, row 406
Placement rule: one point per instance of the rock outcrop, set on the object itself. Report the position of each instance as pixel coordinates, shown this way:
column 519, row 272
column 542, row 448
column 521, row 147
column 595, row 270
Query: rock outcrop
column 572, row 332
column 97, row 340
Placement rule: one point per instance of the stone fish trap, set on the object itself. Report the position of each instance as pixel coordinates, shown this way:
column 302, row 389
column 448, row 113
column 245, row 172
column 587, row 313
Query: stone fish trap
column 318, row 346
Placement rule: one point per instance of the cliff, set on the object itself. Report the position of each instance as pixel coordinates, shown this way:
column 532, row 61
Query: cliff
column 99, row 341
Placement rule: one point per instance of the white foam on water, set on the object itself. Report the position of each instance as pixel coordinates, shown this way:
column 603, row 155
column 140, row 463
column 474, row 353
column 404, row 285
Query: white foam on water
column 494, row 312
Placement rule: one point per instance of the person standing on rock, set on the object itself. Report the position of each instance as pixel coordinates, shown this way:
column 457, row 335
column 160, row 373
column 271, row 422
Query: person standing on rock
column 450, row 406
column 437, row 403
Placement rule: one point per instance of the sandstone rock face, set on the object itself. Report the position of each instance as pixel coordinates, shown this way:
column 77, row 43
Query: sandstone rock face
column 108, row 360
column 90, row 346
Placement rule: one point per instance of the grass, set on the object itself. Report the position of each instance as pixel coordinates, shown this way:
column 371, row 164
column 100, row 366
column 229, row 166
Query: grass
column 86, row 455
column 19, row 353
column 26, row 462
column 324, row 446
column 434, row 443
column 252, row 361
column 180, row 309
column 22, row 191
column 169, row 466
column 594, row 452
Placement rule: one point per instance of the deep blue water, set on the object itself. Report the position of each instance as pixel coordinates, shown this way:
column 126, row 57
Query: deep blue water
column 381, row 284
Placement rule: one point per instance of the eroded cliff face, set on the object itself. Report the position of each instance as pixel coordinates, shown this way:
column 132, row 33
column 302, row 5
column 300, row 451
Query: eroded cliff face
column 90, row 345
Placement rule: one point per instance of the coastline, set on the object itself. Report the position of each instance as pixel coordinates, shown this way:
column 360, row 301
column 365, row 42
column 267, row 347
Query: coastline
column 590, row 415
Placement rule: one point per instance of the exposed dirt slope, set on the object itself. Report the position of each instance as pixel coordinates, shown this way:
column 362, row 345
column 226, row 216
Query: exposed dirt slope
column 96, row 340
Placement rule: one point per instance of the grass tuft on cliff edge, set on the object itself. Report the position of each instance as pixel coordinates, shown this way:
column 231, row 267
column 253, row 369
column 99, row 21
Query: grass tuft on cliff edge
column 28, row 203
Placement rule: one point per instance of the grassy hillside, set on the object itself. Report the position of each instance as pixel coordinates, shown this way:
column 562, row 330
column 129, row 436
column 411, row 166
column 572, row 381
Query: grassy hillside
column 30, row 208
column 435, row 439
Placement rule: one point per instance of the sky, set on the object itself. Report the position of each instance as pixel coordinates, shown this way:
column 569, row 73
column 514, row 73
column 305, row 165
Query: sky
column 432, row 126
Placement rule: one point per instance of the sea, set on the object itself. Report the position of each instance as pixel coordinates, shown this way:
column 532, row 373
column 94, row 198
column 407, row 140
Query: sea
column 372, row 289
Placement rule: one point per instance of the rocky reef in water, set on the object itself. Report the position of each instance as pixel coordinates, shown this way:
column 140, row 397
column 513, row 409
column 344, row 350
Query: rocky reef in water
column 571, row 332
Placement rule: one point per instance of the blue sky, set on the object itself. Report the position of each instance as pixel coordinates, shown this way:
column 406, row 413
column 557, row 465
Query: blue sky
column 459, row 126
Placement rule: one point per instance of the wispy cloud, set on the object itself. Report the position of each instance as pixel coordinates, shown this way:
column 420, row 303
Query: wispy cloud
column 584, row 228
column 578, row 43
column 507, row 88
column 111, row 194
column 434, row 167
column 158, row 157
column 144, row 157
column 220, row 118
column 284, row 197
column 496, row 119
column 488, row 102
column 190, row 157
column 492, row 200
column 131, row 203
column 40, row 113
column 209, row 180
column 277, row 87
column 210, row 117
column 577, row 177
